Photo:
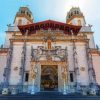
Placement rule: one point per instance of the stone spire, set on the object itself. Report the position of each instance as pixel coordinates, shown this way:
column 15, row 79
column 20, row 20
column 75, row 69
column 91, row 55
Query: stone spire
column 23, row 16
column 75, row 17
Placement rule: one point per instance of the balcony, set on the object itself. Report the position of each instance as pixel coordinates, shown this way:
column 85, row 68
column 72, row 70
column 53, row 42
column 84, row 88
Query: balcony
column 13, row 28
column 4, row 50
column 86, row 29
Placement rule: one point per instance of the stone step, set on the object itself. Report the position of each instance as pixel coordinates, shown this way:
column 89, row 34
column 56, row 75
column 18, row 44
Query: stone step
column 47, row 94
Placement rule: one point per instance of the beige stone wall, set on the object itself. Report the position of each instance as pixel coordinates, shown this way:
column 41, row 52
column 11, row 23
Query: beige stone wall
column 7, row 41
column 83, row 77
column 24, row 21
column 16, row 64
column 70, row 57
column 28, row 57
column 96, row 65
column 60, row 79
column 91, row 40
column 81, row 56
column 3, row 60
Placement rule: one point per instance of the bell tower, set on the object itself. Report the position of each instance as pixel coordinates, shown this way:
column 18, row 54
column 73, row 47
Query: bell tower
column 23, row 16
column 75, row 17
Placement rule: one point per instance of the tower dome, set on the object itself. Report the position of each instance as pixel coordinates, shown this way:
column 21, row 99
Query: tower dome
column 75, row 17
column 23, row 16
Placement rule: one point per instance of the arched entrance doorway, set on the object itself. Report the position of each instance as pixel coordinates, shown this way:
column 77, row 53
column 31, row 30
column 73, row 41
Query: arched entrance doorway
column 49, row 77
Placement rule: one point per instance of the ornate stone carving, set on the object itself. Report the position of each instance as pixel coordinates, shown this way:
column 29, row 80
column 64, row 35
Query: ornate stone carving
column 82, row 68
column 32, row 73
column 64, row 72
column 15, row 68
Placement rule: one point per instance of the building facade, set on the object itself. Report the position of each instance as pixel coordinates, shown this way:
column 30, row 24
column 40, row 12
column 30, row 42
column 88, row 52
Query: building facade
column 49, row 55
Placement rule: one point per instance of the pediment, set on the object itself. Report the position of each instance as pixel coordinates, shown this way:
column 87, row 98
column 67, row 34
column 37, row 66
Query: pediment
column 49, row 24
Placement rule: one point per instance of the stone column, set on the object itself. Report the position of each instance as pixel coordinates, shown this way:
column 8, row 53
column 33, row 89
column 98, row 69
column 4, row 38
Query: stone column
column 64, row 77
column 32, row 77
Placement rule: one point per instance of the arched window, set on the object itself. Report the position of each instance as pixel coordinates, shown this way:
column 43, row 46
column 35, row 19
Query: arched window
column 49, row 44
column 20, row 22
column 27, row 13
column 79, row 22
column 71, row 13
column 22, row 12
column 77, row 12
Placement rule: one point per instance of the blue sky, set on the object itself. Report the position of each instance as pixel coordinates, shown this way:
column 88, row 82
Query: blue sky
column 50, row 9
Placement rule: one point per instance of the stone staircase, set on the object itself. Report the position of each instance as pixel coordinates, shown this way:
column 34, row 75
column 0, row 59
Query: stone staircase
column 48, row 95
